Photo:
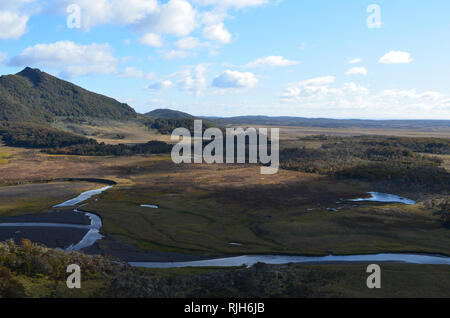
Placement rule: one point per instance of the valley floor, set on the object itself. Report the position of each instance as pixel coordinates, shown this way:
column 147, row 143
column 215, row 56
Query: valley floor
column 204, row 208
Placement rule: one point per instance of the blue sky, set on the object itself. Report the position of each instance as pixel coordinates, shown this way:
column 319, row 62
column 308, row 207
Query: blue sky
column 239, row 57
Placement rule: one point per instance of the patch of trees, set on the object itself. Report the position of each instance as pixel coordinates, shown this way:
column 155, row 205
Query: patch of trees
column 166, row 126
column 34, row 136
column 55, row 141
column 424, row 145
column 424, row 177
column 93, row 148
column 393, row 161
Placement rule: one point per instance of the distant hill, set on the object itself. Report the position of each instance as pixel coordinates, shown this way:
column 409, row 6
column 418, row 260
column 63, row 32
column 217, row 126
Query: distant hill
column 166, row 120
column 330, row 123
column 35, row 96
column 169, row 114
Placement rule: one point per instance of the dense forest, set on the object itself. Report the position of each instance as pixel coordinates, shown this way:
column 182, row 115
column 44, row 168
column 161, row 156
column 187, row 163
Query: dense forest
column 390, row 160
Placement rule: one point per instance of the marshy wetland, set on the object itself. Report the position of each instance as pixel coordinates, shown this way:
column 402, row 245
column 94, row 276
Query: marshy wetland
column 159, row 212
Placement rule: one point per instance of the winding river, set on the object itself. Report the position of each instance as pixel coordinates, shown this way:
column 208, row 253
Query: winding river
column 82, row 197
column 250, row 260
column 386, row 198
column 93, row 230
column 93, row 235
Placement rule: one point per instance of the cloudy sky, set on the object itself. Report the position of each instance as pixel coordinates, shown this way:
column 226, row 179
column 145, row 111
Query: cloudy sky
column 322, row 58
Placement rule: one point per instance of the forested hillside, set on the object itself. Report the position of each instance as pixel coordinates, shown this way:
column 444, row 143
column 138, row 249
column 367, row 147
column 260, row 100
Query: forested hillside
column 35, row 96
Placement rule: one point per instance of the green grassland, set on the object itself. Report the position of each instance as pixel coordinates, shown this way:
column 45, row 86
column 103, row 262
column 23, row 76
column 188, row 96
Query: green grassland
column 195, row 222
column 35, row 198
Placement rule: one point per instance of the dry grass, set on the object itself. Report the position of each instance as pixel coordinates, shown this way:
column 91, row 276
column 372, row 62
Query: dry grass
column 114, row 132
column 446, row 159
column 30, row 165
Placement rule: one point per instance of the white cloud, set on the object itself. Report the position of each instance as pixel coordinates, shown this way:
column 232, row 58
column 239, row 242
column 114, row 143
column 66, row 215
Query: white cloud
column 357, row 71
column 396, row 57
column 272, row 61
column 172, row 17
column 188, row 43
column 235, row 79
column 323, row 80
column 131, row 11
column 69, row 58
column 321, row 95
column 176, row 17
column 192, row 79
column 413, row 94
column 318, row 89
column 132, row 72
column 353, row 88
column 355, row 61
column 120, row 12
column 174, row 54
column 12, row 25
column 217, row 32
column 152, row 39
column 213, row 17
column 162, row 84
column 237, row 4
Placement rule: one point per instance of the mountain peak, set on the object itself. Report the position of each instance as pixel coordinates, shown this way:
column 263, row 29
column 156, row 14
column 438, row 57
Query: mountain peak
column 35, row 75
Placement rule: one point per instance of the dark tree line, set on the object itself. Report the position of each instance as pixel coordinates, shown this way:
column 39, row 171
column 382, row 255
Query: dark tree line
column 94, row 148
